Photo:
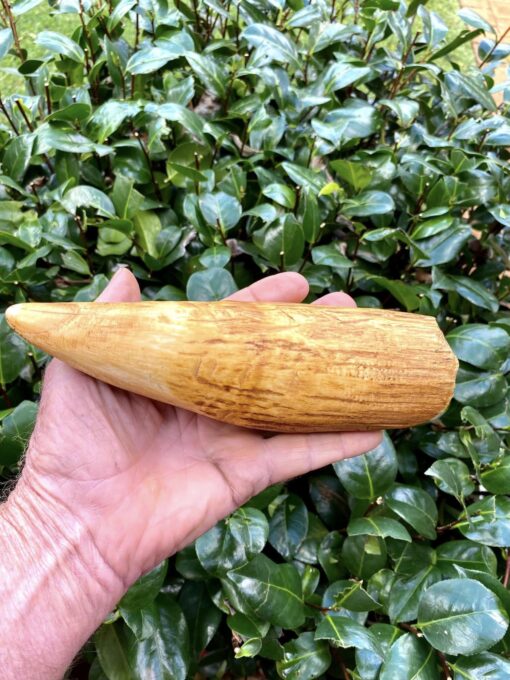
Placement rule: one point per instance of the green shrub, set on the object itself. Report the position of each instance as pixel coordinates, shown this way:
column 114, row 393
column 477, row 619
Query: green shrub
column 210, row 143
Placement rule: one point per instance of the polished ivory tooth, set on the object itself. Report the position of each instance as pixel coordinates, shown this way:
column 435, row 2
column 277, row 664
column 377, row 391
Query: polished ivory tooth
column 272, row 366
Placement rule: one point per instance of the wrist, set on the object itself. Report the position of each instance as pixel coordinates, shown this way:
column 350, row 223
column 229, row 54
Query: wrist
column 58, row 586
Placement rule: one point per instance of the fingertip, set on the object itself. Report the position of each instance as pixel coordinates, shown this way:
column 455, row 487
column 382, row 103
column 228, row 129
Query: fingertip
column 123, row 287
column 338, row 299
column 357, row 443
column 292, row 281
column 283, row 287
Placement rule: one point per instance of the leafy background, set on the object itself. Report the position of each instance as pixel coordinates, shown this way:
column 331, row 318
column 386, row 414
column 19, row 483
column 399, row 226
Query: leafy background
column 207, row 144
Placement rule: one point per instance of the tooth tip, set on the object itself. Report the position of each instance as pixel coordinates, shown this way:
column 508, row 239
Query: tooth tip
column 12, row 312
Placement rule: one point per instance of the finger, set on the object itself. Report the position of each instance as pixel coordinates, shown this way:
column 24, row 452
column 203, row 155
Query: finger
column 297, row 454
column 123, row 287
column 285, row 287
column 339, row 299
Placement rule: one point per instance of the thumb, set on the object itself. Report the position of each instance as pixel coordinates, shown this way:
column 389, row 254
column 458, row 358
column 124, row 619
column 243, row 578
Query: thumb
column 123, row 287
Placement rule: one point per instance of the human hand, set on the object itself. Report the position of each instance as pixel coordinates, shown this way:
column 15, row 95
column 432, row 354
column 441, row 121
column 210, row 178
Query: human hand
column 143, row 478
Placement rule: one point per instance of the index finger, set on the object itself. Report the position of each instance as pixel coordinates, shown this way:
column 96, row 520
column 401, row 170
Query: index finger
column 284, row 287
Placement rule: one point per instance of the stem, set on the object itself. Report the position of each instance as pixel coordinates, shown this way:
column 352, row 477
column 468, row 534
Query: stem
column 305, row 70
column 197, row 16
column 405, row 57
column 48, row 97
column 197, row 167
column 444, row 666
column 85, row 31
column 491, row 51
column 104, row 26
column 506, row 578
column 25, row 117
column 310, row 155
column 6, row 397
column 137, row 28
column 147, row 158
column 10, row 120
column 411, row 629
column 298, row 200
column 350, row 275
column 446, row 527
column 343, row 668
column 237, row 26
column 12, row 23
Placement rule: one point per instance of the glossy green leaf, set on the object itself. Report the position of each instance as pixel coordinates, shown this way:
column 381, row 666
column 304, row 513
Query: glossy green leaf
column 461, row 616
column 410, row 657
column 330, row 256
column 13, row 353
column 341, row 631
column 370, row 475
column 348, row 595
column 363, row 555
column 484, row 666
column 471, row 290
column 214, row 283
column 151, row 58
column 109, row 117
column 304, row 657
column 443, row 247
column 208, row 71
column 276, row 45
column 355, row 174
column 202, row 616
column 60, row 44
column 88, row 197
column 217, row 256
column 480, row 345
column 415, row 506
column 406, row 591
column 451, row 476
column 280, row 193
column 15, row 432
column 369, row 203
column 479, row 389
column 233, row 542
column 6, row 41
column 289, row 526
column 281, row 242
column 17, row 156
column 472, row 18
column 496, row 477
column 165, row 654
column 486, row 521
column 221, row 210
column 145, row 589
column 114, row 650
column 270, row 591
column 467, row 555
column 378, row 526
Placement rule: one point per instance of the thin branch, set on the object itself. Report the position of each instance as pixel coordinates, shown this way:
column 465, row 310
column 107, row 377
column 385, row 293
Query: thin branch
column 7, row 115
column 491, row 51
column 506, row 578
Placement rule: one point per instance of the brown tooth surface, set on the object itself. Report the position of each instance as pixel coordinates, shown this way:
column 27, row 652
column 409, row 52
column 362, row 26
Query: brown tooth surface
column 273, row 366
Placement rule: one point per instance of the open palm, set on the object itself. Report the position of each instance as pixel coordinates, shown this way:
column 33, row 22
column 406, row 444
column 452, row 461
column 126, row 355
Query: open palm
column 145, row 478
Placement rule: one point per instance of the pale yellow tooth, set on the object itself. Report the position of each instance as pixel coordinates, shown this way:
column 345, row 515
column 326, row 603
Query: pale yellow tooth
column 279, row 367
